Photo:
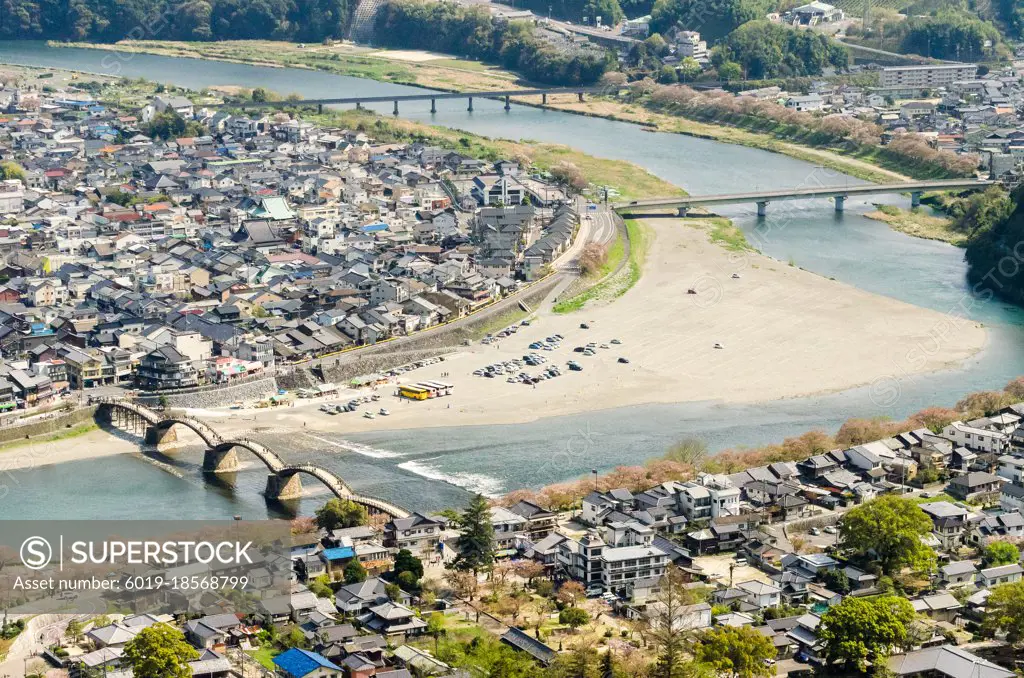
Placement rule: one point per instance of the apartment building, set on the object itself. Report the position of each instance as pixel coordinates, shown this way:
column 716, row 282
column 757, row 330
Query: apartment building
column 926, row 76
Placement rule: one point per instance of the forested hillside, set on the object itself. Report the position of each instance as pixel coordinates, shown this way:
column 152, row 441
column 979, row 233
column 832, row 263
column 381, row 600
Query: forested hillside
column 767, row 50
column 713, row 18
column 112, row 20
column 576, row 10
column 471, row 32
column 995, row 255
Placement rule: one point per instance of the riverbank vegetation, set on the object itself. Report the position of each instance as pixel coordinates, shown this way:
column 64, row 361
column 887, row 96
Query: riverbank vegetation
column 56, row 436
column 472, row 32
column 918, row 222
column 461, row 75
column 908, row 154
column 688, row 457
column 613, row 284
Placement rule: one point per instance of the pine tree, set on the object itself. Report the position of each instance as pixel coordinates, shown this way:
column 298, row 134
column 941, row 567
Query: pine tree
column 476, row 542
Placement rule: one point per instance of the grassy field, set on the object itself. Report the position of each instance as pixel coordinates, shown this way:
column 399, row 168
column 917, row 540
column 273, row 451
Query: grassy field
column 942, row 496
column 617, row 285
column 727, row 234
column 920, row 223
column 264, row 654
column 444, row 72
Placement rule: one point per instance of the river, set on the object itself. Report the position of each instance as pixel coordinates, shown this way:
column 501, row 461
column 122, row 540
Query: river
column 433, row 468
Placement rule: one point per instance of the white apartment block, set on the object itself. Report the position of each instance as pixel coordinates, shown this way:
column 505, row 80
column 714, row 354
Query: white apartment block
column 975, row 439
column 624, row 565
column 689, row 44
column 924, row 77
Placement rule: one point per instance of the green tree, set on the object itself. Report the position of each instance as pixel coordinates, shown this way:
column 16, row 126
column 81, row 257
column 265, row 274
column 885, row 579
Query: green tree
column 408, row 581
column 862, row 630
column 354, row 572
column 838, row 581
column 1004, row 612
column 669, row 640
column 475, row 543
column 339, row 513
column 73, row 631
column 689, row 68
column 11, row 170
column 581, row 662
column 573, row 617
column 730, row 71
column 394, row 592
column 889, row 528
column 321, row 587
column 259, row 95
column 741, row 652
column 1001, row 553
column 667, row 75
column 160, row 651
column 405, row 561
column 435, row 627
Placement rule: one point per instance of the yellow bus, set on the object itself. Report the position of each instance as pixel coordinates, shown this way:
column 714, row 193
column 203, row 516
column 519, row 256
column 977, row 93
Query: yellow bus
column 436, row 388
column 413, row 392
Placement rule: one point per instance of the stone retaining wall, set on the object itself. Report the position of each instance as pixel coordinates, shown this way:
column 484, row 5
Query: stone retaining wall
column 428, row 344
column 57, row 422
column 218, row 396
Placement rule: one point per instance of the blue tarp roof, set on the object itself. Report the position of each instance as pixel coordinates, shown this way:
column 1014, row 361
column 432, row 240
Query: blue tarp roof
column 299, row 663
column 339, row 553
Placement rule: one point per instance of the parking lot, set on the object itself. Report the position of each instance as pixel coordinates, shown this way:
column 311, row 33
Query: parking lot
column 544, row 356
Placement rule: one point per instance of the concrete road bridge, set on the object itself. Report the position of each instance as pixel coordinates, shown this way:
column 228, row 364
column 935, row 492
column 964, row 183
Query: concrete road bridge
column 432, row 97
column 838, row 193
column 283, row 479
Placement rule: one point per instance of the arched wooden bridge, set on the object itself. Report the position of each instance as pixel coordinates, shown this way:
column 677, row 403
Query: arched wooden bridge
column 221, row 455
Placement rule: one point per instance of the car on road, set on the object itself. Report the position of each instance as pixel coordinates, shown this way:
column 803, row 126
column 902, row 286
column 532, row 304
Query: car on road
column 718, row 345
column 584, row 326
column 814, row 532
column 624, row 361
column 831, row 530
column 616, row 342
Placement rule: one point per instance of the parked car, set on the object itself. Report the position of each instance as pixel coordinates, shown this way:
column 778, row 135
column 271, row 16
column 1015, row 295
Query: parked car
column 624, row 361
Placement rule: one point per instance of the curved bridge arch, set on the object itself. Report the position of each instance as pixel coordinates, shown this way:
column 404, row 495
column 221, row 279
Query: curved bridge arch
column 283, row 481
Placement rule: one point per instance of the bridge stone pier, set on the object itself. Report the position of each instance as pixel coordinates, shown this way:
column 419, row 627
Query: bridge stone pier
column 222, row 460
column 762, row 208
column 915, row 198
column 840, row 202
column 682, row 211
column 283, row 487
column 222, row 453
column 161, row 437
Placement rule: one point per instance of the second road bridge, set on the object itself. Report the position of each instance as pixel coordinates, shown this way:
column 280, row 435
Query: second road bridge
column 838, row 193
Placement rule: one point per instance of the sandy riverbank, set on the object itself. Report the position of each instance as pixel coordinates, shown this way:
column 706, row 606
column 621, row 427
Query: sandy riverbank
column 95, row 444
column 786, row 333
